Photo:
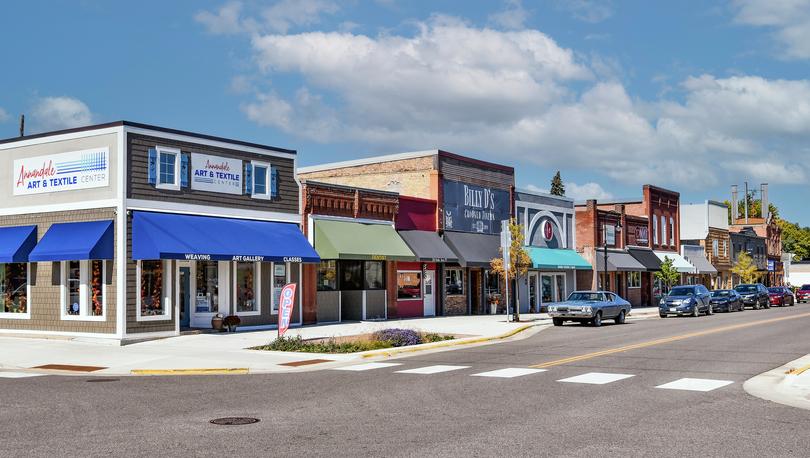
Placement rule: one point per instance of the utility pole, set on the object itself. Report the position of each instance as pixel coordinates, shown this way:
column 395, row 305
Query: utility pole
column 22, row 125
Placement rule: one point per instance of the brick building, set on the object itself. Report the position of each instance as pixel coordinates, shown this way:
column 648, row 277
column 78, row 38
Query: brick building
column 707, row 243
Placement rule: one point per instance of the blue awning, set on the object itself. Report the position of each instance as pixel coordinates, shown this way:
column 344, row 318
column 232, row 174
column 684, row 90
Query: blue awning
column 16, row 242
column 75, row 241
column 173, row 236
column 556, row 259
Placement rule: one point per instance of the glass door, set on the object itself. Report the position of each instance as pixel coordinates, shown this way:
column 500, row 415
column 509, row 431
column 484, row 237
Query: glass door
column 184, row 292
column 533, row 304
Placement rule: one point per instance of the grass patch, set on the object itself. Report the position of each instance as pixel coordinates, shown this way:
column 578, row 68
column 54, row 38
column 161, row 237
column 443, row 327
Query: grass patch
column 387, row 338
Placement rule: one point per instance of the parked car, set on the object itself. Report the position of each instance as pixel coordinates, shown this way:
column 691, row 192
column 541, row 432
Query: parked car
column 803, row 294
column 590, row 307
column 754, row 295
column 686, row 300
column 781, row 296
column 726, row 300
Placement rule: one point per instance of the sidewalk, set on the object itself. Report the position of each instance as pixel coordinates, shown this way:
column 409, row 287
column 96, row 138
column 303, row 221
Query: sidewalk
column 217, row 352
column 788, row 384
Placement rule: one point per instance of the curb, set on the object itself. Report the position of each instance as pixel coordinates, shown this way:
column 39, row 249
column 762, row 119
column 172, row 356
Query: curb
column 798, row 371
column 205, row 371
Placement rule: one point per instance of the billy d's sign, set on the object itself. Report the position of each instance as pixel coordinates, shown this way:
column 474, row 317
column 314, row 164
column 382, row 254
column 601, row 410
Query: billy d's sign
column 216, row 174
column 61, row 172
column 472, row 208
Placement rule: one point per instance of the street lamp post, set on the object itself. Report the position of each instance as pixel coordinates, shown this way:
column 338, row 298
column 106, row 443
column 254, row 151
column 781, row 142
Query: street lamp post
column 618, row 228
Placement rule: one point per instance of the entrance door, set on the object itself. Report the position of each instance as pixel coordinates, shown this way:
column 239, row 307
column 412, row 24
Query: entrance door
column 427, row 292
column 184, row 292
column 534, row 305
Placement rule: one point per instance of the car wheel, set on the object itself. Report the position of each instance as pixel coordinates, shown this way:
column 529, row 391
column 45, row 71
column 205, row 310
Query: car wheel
column 597, row 320
column 767, row 304
column 755, row 306
column 710, row 310
column 695, row 311
column 557, row 321
column 620, row 319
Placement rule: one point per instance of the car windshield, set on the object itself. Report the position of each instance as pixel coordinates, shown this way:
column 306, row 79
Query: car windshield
column 805, row 287
column 585, row 297
column 682, row 291
column 746, row 289
column 722, row 293
column 774, row 290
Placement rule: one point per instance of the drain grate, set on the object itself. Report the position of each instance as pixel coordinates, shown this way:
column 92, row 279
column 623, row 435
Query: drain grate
column 234, row 421
column 102, row 380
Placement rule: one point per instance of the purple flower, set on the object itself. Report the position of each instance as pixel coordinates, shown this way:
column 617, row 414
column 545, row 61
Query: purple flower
column 399, row 337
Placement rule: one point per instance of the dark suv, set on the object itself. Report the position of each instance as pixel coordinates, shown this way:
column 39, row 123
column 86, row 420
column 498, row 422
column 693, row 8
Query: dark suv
column 686, row 300
column 754, row 295
column 803, row 294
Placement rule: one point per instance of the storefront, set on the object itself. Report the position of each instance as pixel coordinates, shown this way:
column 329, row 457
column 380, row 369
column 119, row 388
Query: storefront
column 125, row 231
column 704, row 272
column 619, row 272
column 469, row 286
column 433, row 254
column 640, row 285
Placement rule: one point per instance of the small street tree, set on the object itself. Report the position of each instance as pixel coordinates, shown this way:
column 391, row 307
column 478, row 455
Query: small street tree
column 668, row 274
column 519, row 260
column 557, row 185
column 745, row 268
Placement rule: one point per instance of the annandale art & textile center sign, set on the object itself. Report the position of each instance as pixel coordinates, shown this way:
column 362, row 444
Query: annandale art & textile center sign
column 61, row 172
column 216, row 174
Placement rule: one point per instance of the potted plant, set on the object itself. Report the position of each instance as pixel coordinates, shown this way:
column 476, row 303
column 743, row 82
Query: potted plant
column 231, row 322
column 216, row 322
column 494, row 300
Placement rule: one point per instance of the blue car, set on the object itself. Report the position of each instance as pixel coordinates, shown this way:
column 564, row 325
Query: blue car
column 686, row 300
column 590, row 307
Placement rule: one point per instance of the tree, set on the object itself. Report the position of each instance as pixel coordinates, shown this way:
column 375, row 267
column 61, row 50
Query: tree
column 668, row 274
column 754, row 208
column 557, row 185
column 745, row 268
column 519, row 260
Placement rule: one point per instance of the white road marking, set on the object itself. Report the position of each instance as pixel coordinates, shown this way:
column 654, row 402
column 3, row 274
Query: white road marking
column 19, row 374
column 695, row 384
column 365, row 367
column 432, row 369
column 596, row 378
column 509, row 372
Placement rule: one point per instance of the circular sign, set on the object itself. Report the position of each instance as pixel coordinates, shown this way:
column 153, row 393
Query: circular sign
column 548, row 230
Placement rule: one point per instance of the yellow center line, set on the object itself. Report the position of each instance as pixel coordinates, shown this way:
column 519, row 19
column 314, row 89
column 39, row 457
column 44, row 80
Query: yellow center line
column 664, row 340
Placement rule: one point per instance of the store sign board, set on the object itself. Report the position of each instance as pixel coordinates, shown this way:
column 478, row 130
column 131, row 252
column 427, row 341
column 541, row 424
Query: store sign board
column 216, row 174
column 473, row 208
column 610, row 235
column 771, row 265
column 69, row 171
column 285, row 308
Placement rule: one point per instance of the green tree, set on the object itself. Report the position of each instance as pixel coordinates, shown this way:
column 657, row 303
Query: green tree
column 745, row 268
column 795, row 239
column 754, row 208
column 557, row 185
column 668, row 274
column 519, row 260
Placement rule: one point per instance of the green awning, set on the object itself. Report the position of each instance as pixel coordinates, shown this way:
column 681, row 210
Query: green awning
column 349, row 240
column 556, row 258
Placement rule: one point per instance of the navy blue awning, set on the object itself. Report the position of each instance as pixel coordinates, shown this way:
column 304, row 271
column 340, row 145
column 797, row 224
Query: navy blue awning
column 16, row 242
column 75, row 241
column 173, row 236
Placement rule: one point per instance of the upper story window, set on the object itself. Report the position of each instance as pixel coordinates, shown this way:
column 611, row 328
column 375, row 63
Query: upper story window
column 716, row 248
column 263, row 183
column 671, row 231
column 663, row 230
column 655, row 231
column 168, row 168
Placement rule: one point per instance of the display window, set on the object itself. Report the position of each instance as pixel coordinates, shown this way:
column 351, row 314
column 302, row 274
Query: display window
column 361, row 275
column 14, row 290
column 374, row 274
column 83, row 285
column 327, row 276
column 206, row 298
column 454, row 282
column 153, row 302
column 247, row 288
column 279, row 281
column 634, row 279
column 409, row 285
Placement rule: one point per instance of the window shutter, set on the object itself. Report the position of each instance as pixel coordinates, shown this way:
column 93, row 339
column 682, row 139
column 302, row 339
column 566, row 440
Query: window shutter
column 183, row 170
column 273, row 182
column 152, row 166
column 248, row 178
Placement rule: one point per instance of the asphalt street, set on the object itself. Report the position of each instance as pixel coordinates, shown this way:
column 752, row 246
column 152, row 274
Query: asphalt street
column 446, row 411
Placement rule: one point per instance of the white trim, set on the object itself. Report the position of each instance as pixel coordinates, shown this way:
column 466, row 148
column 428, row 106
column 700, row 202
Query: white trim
column 257, row 290
column 120, row 261
column 267, row 195
column 202, row 141
column 299, row 290
column 368, row 160
column 136, row 336
column 178, row 158
column 204, row 210
column 166, row 297
column 35, row 332
column 27, row 314
column 84, row 292
column 60, row 137
column 273, row 305
column 46, row 208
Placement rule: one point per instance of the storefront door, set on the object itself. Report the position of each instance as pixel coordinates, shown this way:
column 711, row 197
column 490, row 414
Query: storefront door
column 534, row 305
column 184, row 292
column 428, row 293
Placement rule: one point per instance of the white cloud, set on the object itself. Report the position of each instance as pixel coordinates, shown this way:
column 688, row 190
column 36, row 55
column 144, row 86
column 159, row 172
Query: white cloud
column 279, row 17
column 789, row 20
column 592, row 11
column 289, row 13
column 534, row 188
column 54, row 113
column 4, row 116
column 586, row 191
column 512, row 17
column 227, row 20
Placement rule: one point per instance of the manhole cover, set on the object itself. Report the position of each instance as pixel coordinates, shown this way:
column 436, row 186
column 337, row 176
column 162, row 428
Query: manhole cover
column 234, row 421
column 102, row 380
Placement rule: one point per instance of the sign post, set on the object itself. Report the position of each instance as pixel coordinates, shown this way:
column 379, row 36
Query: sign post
column 285, row 308
column 506, row 244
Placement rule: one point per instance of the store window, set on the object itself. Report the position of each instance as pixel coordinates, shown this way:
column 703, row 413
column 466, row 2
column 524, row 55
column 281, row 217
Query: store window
column 168, row 175
column 409, row 285
column 634, row 279
column 14, row 289
column 152, row 300
column 206, row 299
column 261, row 180
column 247, row 291
column 327, row 276
column 492, row 284
column 453, row 282
column 279, row 280
column 83, row 289
column 375, row 274
column 351, row 275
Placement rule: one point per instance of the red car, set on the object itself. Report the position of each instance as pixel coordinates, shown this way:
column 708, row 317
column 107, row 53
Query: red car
column 803, row 294
column 781, row 296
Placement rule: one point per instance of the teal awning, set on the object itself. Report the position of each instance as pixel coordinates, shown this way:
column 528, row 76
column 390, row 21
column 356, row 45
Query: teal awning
column 556, row 258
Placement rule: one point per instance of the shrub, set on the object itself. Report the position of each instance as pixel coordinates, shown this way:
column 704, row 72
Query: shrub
column 231, row 320
column 330, row 346
column 433, row 337
column 398, row 337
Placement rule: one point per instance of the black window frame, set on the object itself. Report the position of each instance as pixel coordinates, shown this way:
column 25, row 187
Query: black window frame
column 342, row 283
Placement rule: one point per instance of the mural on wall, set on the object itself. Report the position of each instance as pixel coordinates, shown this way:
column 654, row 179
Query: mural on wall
column 472, row 208
column 546, row 233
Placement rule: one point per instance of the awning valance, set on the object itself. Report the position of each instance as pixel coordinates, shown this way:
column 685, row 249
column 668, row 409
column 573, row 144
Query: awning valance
column 473, row 250
column 679, row 262
column 354, row 240
column 618, row 261
column 75, row 241
column 695, row 256
column 428, row 246
column 556, row 258
column 646, row 257
column 16, row 242
column 192, row 237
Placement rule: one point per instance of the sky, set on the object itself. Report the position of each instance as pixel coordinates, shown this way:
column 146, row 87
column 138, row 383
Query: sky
column 693, row 96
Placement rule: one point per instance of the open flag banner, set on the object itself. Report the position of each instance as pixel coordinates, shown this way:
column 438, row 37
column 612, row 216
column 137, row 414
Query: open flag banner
column 285, row 308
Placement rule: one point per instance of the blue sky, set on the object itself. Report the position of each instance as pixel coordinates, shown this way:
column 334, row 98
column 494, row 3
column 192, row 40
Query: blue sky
column 693, row 95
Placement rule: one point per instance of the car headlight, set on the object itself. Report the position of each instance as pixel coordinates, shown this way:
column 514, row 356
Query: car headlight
column 686, row 302
column 587, row 309
column 552, row 308
column 662, row 302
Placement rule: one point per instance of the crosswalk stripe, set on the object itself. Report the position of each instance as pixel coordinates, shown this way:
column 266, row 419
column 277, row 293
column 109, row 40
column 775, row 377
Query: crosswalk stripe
column 19, row 374
column 509, row 372
column 596, row 378
column 427, row 370
column 695, row 384
column 365, row 367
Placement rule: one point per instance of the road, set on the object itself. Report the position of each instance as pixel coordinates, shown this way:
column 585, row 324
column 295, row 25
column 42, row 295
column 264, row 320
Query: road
column 382, row 412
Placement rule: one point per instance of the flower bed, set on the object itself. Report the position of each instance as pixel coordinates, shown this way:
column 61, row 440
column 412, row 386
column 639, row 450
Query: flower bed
column 386, row 338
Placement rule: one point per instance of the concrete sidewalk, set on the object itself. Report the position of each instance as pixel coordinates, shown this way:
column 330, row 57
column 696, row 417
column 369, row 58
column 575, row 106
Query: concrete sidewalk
column 221, row 352
column 788, row 384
